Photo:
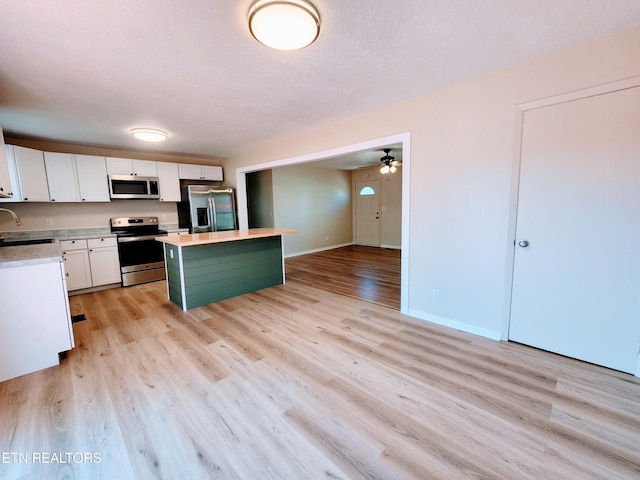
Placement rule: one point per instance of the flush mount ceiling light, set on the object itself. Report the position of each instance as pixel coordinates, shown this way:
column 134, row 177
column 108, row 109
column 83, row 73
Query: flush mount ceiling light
column 284, row 24
column 149, row 134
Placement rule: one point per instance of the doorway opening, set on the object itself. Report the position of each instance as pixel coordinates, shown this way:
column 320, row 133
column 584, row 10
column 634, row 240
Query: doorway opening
column 404, row 141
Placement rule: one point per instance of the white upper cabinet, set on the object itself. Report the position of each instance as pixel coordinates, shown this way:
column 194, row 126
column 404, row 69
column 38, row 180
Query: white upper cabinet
column 9, row 184
column 201, row 172
column 5, row 182
column 61, row 176
column 128, row 166
column 212, row 173
column 168, row 176
column 92, row 178
column 32, row 175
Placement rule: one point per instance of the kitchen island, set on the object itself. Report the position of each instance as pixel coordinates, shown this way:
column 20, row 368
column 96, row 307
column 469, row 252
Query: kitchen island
column 35, row 326
column 204, row 268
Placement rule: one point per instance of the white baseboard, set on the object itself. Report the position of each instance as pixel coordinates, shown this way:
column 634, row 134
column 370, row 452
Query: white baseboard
column 331, row 247
column 393, row 247
column 464, row 327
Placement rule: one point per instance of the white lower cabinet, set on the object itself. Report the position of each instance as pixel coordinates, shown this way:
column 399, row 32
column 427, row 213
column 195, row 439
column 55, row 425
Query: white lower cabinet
column 91, row 262
column 36, row 324
column 76, row 263
column 104, row 261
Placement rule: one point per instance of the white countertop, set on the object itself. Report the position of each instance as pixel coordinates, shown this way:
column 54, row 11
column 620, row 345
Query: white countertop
column 29, row 255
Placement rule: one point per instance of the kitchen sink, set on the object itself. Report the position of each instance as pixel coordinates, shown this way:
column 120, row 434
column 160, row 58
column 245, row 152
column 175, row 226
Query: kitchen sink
column 31, row 241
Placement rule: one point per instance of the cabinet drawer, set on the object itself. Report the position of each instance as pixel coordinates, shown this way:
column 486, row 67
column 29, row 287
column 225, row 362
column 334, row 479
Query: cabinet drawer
column 73, row 244
column 102, row 242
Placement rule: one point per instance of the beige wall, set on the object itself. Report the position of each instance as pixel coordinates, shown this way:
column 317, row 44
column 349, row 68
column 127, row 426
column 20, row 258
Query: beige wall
column 317, row 201
column 462, row 170
column 390, row 203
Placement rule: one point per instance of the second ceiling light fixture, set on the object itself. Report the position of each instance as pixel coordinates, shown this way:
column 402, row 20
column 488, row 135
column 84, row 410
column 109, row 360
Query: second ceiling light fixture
column 284, row 24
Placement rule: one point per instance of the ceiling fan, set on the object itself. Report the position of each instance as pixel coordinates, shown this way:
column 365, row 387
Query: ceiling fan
column 388, row 162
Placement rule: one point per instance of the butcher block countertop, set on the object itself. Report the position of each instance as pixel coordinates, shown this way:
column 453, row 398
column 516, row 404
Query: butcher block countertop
column 220, row 237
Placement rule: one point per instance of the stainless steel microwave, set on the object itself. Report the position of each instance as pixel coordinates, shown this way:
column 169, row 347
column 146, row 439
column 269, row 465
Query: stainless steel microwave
column 126, row 187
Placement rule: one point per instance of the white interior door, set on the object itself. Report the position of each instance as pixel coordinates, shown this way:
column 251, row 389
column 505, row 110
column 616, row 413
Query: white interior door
column 576, row 285
column 368, row 213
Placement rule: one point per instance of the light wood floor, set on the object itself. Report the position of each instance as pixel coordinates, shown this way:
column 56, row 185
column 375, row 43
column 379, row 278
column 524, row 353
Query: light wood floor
column 294, row 382
column 368, row 273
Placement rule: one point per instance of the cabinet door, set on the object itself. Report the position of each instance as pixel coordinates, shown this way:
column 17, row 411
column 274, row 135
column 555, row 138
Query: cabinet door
column 128, row 166
column 119, row 166
column 32, row 174
column 145, row 168
column 169, row 182
column 190, row 172
column 105, row 265
column 9, row 186
column 77, row 270
column 92, row 178
column 61, row 177
column 5, row 182
column 212, row 173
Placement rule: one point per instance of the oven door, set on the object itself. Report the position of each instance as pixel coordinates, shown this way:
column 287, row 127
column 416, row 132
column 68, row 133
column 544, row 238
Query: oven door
column 141, row 259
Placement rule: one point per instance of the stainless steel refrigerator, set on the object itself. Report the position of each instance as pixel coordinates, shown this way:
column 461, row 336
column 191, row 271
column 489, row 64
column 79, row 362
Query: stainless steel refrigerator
column 211, row 209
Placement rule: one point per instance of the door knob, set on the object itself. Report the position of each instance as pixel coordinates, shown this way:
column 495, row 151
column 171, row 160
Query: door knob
column 523, row 243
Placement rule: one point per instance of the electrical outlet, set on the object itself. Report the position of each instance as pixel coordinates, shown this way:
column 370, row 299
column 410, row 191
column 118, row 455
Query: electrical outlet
column 435, row 294
column 48, row 221
column 164, row 216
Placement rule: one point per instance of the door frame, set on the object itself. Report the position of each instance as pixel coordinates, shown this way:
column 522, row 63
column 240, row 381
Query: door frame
column 515, row 180
column 403, row 138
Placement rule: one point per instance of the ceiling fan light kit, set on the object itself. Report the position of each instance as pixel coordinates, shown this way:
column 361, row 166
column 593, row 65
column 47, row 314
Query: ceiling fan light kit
column 284, row 24
column 388, row 164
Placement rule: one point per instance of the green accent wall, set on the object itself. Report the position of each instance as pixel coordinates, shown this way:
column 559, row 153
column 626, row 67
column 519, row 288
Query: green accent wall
column 174, row 281
column 218, row 271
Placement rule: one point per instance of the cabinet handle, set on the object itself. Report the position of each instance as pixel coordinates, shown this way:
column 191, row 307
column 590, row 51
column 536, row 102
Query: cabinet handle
column 53, row 199
column 26, row 198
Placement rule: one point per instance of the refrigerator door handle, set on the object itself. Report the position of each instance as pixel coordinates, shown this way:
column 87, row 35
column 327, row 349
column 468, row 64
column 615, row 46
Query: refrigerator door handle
column 214, row 217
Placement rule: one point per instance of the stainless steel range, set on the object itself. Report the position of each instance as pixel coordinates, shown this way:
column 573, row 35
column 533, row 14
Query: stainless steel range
column 141, row 256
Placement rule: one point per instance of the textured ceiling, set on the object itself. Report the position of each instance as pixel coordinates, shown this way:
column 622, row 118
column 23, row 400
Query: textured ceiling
column 88, row 71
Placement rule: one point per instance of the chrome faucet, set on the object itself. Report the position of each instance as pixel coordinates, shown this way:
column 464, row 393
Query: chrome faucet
column 13, row 214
